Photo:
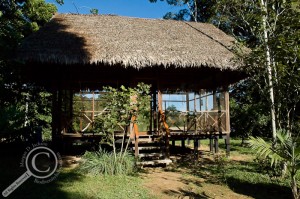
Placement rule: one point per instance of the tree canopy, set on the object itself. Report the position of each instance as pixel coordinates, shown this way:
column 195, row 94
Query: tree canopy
column 21, row 104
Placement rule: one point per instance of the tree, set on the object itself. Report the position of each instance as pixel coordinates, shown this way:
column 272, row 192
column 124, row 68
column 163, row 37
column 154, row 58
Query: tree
column 195, row 10
column 248, row 110
column 18, row 19
column 271, row 30
column 122, row 109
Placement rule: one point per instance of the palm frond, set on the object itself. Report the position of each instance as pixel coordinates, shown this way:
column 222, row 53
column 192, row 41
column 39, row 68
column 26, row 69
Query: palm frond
column 264, row 149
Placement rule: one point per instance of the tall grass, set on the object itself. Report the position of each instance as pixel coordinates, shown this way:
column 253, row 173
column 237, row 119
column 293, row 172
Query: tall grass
column 107, row 163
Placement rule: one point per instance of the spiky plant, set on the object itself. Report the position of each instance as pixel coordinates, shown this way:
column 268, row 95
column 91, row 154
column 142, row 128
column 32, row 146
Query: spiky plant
column 285, row 150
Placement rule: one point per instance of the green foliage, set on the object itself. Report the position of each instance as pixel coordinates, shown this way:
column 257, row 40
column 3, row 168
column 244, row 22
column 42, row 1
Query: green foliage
column 244, row 20
column 121, row 105
column 174, row 117
column 18, row 19
column 19, row 119
column 286, row 151
column 249, row 112
column 195, row 10
column 94, row 11
column 103, row 162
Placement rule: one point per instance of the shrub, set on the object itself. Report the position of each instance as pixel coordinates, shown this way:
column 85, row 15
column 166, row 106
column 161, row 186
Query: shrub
column 107, row 163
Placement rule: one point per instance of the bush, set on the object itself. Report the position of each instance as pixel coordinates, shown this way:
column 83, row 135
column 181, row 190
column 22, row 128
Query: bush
column 107, row 163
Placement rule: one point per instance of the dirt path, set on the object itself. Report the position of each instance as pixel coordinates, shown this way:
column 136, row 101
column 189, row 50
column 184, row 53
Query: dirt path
column 168, row 184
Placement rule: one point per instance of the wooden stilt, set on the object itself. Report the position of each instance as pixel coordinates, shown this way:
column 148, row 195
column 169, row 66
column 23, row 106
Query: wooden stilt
column 136, row 143
column 183, row 143
column 216, row 144
column 227, row 111
column 227, row 144
column 135, row 131
column 166, row 127
column 196, row 148
column 173, row 143
column 155, row 115
column 211, row 147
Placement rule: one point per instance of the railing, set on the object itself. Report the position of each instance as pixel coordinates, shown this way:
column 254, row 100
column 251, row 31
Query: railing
column 197, row 122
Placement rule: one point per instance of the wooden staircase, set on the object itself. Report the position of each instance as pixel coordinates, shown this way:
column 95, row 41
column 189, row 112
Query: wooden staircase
column 151, row 150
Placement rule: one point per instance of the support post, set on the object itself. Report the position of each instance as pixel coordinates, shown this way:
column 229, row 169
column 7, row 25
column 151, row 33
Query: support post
column 135, row 129
column 227, row 144
column 151, row 119
column 136, row 142
column 211, row 144
column 163, row 118
column 183, row 143
column 173, row 143
column 155, row 115
column 196, row 148
column 216, row 144
column 227, row 111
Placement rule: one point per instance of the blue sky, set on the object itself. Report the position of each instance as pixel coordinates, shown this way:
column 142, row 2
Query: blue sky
column 131, row 8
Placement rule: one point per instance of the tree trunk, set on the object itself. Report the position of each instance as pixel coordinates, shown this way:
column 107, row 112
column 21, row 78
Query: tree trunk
column 295, row 188
column 269, row 68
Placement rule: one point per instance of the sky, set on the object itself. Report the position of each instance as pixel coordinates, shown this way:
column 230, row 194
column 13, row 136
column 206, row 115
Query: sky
column 131, row 8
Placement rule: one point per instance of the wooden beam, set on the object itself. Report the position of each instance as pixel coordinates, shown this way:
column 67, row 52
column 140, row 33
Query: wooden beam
column 183, row 143
column 136, row 136
column 211, row 145
column 196, row 146
column 227, row 111
column 164, row 123
column 216, row 144
column 227, row 144
column 133, row 124
column 155, row 114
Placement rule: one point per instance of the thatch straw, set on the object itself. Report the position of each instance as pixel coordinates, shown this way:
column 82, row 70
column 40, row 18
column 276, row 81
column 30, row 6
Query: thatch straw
column 129, row 42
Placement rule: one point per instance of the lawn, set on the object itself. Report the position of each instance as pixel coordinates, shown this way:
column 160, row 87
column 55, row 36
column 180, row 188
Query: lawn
column 211, row 176
column 69, row 183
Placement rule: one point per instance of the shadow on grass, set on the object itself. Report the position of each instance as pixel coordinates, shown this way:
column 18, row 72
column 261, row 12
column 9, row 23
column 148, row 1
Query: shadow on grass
column 259, row 190
column 11, row 157
column 230, row 172
column 185, row 193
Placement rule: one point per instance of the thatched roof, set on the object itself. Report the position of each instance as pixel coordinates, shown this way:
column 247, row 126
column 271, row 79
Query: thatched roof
column 129, row 42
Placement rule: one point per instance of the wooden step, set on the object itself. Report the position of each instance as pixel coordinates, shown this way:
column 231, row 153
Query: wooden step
column 148, row 155
column 148, row 147
column 154, row 162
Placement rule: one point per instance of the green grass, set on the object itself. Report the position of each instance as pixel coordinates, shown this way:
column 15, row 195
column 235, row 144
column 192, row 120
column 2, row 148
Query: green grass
column 240, row 172
column 70, row 184
column 107, row 163
column 74, row 185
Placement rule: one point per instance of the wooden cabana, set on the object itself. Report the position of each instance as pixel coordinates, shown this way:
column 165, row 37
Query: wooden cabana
column 80, row 53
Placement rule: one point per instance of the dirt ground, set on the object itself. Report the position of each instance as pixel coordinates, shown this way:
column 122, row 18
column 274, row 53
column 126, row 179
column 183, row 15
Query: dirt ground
column 168, row 183
column 171, row 182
